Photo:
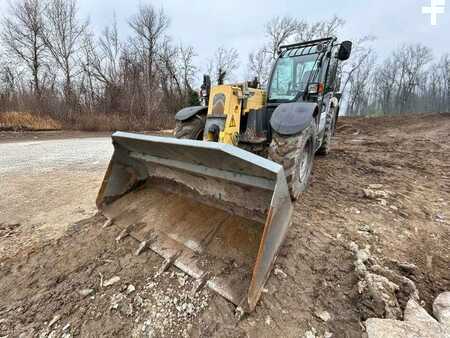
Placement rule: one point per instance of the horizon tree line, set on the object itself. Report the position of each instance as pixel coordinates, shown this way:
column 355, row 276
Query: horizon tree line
column 51, row 62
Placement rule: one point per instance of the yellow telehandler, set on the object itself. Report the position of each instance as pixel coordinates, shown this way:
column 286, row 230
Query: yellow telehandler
column 216, row 200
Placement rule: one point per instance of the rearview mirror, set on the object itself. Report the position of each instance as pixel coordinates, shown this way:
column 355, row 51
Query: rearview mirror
column 345, row 50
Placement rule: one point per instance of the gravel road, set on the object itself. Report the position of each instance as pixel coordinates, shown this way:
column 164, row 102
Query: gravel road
column 48, row 184
column 39, row 156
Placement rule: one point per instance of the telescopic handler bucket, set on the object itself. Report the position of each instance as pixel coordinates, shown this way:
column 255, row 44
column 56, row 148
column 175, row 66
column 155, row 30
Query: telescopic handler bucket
column 215, row 211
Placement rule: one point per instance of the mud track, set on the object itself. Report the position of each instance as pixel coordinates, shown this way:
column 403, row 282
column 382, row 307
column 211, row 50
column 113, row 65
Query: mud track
column 56, row 257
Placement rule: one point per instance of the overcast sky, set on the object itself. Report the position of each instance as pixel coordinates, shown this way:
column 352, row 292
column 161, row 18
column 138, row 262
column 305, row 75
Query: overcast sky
column 240, row 24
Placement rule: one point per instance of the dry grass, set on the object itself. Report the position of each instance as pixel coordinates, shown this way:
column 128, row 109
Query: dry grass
column 100, row 122
column 117, row 121
column 18, row 121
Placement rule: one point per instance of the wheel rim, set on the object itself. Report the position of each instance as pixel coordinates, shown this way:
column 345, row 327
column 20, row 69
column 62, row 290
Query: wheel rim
column 304, row 164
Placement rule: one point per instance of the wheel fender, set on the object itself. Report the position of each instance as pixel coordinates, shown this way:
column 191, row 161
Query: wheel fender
column 334, row 102
column 329, row 101
column 188, row 112
column 292, row 118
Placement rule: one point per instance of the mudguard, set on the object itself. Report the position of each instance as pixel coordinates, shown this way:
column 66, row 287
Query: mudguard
column 329, row 100
column 188, row 112
column 292, row 118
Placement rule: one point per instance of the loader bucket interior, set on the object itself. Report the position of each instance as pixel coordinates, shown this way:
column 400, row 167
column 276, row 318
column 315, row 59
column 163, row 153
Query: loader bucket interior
column 213, row 210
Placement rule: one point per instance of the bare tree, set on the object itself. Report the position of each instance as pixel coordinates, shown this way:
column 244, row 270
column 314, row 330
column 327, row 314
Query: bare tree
column 89, row 77
column 223, row 64
column 278, row 31
column 8, row 86
column 62, row 35
column 385, row 78
column 107, row 62
column 406, row 82
column 321, row 29
column 359, row 92
column 149, row 27
column 259, row 65
column 361, row 51
column 187, row 66
column 411, row 61
column 22, row 36
column 445, row 71
column 102, row 64
column 432, row 91
column 285, row 30
column 171, row 82
column 399, row 79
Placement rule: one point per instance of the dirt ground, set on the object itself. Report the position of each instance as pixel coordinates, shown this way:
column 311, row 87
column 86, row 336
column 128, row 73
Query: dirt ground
column 79, row 281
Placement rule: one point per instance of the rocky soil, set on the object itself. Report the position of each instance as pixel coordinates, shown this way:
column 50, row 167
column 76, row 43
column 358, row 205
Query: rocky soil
column 371, row 234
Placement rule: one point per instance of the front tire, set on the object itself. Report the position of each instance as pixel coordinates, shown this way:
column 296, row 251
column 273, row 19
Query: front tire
column 296, row 154
column 191, row 129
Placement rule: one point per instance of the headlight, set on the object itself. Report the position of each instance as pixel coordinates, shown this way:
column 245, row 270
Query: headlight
column 315, row 88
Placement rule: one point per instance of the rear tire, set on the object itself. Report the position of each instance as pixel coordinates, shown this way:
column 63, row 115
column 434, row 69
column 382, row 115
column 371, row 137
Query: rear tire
column 295, row 153
column 191, row 129
column 330, row 126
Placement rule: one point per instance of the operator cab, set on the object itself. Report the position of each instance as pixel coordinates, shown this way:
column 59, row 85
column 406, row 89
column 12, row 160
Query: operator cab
column 291, row 77
column 305, row 71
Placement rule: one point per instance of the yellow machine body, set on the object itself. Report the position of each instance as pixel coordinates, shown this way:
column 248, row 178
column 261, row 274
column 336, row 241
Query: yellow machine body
column 230, row 103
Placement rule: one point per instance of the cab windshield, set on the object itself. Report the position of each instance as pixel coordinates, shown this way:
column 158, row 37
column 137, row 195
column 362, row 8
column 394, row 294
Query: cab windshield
column 291, row 76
